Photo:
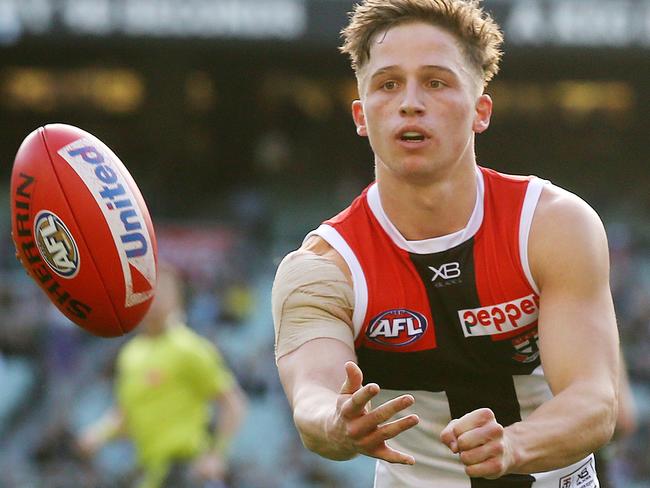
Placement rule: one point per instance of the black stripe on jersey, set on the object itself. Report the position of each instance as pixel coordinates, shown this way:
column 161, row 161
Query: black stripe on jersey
column 476, row 380
column 499, row 395
column 508, row 481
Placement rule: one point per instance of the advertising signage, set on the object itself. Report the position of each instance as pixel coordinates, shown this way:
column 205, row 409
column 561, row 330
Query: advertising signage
column 562, row 23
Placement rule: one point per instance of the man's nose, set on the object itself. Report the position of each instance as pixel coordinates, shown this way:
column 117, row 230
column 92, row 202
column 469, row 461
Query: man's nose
column 412, row 103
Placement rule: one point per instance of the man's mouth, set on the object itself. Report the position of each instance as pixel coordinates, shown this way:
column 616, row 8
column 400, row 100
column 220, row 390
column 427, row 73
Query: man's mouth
column 412, row 136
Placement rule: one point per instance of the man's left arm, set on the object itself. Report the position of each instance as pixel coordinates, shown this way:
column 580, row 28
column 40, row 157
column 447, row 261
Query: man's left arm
column 215, row 380
column 232, row 405
column 232, row 410
column 579, row 349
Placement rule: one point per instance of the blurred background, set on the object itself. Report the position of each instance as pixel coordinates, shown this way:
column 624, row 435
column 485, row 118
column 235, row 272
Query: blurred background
column 233, row 117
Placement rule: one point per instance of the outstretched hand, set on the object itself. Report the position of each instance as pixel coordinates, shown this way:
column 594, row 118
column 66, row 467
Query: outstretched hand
column 364, row 430
column 88, row 443
column 210, row 466
column 481, row 442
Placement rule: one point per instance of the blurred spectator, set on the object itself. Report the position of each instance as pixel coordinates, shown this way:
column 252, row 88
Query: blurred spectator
column 166, row 378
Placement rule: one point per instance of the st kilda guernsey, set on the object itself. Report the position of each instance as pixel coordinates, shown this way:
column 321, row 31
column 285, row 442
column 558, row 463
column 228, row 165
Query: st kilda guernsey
column 453, row 321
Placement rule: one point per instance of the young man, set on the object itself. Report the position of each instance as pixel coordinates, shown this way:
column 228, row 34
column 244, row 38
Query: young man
column 167, row 377
column 475, row 305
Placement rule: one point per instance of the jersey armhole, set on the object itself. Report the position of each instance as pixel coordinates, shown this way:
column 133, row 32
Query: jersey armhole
column 359, row 286
column 533, row 193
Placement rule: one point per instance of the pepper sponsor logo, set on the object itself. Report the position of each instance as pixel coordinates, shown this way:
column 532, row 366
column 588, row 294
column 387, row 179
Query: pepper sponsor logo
column 500, row 318
column 397, row 327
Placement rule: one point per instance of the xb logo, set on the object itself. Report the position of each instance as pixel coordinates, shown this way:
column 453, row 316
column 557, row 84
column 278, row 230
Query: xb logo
column 447, row 271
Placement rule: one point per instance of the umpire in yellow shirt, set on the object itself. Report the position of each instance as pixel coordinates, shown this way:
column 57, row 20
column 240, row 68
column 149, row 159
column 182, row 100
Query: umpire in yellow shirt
column 167, row 377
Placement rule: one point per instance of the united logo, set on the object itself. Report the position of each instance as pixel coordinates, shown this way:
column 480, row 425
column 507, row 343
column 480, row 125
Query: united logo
column 105, row 176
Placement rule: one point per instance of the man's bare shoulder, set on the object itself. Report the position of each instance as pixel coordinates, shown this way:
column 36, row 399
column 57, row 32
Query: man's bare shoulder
column 562, row 212
column 565, row 231
column 317, row 251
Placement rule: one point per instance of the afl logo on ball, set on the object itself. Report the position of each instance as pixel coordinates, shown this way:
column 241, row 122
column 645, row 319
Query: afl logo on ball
column 397, row 327
column 56, row 244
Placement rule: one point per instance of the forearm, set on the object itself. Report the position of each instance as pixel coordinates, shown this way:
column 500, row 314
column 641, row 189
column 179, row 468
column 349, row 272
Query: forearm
column 231, row 415
column 314, row 413
column 109, row 427
column 335, row 421
column 564, row 430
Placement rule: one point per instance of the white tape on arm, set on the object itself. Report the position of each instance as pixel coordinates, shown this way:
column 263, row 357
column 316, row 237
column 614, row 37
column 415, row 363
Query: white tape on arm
column 311, row 299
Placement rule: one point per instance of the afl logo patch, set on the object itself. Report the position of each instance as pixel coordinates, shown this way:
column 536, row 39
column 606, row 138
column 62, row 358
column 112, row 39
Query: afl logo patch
column 56, row 244
column 397, row 327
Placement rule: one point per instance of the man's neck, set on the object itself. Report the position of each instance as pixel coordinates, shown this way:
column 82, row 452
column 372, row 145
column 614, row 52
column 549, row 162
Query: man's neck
column 438, row 208
column 158, row 326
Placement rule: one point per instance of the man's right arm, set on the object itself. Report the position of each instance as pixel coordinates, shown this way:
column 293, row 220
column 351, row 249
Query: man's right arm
column 337, row 421
column 110, row 426
column 315, row 356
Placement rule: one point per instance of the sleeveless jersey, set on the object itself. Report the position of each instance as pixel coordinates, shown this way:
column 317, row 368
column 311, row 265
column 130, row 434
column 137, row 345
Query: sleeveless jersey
column 451, row 320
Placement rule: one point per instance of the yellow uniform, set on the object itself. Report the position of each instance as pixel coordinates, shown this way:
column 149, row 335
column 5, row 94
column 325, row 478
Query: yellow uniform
column 164, row 384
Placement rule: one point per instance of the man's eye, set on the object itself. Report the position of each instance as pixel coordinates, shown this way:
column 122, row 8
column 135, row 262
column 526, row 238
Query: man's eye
column 435, row 83
column 390, row 85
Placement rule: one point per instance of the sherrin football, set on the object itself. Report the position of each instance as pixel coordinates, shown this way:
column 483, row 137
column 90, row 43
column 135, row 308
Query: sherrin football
column 82, row 229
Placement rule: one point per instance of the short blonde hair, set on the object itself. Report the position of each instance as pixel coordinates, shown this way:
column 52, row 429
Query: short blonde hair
column 478, row 34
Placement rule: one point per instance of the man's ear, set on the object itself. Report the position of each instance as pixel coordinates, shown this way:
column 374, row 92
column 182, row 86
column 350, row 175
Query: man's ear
column 483, row 114
column 359, row 118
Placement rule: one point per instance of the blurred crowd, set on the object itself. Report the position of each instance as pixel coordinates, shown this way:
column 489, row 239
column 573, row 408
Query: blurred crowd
column 55, row 379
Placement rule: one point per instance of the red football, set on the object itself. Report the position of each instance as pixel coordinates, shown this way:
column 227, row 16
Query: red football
column 82, row 230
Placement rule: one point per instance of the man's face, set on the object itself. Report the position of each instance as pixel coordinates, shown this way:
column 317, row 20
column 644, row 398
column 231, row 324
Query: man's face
column 165, row 303
column 420, row 104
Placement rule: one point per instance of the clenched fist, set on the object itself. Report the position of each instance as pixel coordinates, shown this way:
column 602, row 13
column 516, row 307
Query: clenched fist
column 481, row 442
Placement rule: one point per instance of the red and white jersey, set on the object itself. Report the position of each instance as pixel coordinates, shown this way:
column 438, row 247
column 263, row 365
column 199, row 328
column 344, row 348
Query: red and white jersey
column 451, row 320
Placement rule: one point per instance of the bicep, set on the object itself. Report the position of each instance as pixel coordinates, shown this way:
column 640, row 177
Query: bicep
column 311, row 299
column 577, row 327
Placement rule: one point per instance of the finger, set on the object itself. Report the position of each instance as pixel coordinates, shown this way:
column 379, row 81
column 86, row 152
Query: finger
column 479, row 436
column 353, row 378
column 356, row 404
column 386, row 411
column 492, row 468
column 382, row 414
column 480, row 454
column 391, row 455
column 448, row 437
column 473, row 420
column 392, row 429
